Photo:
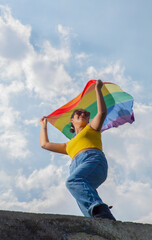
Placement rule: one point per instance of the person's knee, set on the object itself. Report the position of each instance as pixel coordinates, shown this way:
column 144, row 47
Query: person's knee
column 73, row 182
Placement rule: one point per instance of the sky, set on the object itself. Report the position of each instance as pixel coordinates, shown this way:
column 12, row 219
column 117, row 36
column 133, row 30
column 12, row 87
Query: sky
column 49, row 50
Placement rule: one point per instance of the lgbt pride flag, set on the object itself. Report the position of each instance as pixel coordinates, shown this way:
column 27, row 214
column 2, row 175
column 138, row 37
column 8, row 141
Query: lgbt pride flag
column 119, row 107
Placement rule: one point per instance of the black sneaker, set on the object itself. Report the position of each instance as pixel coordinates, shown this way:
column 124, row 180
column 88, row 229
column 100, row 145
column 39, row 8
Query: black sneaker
column 103, row 211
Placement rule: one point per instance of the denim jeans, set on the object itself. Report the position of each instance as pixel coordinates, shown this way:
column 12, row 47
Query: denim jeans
column 88, row 171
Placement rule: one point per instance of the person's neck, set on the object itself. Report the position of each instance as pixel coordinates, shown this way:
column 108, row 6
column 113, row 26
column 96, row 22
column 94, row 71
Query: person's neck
column 79, row 129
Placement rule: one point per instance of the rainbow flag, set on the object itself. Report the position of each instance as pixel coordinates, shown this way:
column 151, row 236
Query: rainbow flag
column 119, row 107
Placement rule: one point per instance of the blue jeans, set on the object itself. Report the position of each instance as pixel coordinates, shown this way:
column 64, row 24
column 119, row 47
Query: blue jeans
column 87, row 172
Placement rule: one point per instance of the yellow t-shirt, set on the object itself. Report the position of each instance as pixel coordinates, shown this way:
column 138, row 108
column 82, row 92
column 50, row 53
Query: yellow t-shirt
column 87, row 138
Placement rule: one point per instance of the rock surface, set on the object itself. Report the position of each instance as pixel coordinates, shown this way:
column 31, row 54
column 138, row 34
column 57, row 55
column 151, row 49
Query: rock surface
column 31, row 226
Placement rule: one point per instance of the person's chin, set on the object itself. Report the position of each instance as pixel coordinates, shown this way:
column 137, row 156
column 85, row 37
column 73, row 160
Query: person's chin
column 83, row 119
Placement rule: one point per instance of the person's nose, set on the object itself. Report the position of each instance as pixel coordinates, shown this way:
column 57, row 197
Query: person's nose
column 82, row 114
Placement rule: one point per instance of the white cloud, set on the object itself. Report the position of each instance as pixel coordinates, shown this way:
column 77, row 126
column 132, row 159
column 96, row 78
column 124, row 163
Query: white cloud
column 8, row 90
column 34, row 122
column 12, row 140
column 92, row 73
column 64, row 33
column 41, row 179
column 44, row 190
column 44, row 72
column 63, row 30
column 49, row 187
column 81, row 58
column 46, row 79
column 23, row 69
column 15, row 144
column 12, row 29
column 8, row 117
column 54, row 200
column 7, row 198
column 145, row 219
column 54, row 55
column 13, row 49
column 131, row 200
column 136, row 138
column 10, row 70
column 115, row 73
column 5, row 180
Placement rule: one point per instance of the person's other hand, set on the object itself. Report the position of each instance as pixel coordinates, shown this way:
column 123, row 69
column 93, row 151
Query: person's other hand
column 43, row 121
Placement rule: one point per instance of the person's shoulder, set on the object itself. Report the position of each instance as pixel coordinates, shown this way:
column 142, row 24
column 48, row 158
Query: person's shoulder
column 89, row 125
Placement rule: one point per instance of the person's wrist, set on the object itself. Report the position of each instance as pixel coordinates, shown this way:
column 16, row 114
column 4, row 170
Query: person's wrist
column 98, row 88
column 44, row 127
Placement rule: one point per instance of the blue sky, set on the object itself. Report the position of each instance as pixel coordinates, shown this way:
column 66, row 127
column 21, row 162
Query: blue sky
column 48, row 52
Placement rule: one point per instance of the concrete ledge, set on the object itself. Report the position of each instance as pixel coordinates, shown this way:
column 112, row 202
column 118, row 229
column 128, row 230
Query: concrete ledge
column 32, row 226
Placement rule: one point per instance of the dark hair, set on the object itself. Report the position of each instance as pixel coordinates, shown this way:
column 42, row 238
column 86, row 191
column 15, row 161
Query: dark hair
column 72, row 129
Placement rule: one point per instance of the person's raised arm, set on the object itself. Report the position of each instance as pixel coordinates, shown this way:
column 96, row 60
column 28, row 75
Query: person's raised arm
column 44, row 141
column 98, row 120
column 101, row 106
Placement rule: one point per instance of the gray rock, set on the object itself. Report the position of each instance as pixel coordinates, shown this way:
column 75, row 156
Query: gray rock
column 32, row 226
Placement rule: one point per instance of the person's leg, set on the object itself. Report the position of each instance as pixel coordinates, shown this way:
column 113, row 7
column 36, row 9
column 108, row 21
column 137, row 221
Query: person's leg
column 87, row 173
column 83, row 210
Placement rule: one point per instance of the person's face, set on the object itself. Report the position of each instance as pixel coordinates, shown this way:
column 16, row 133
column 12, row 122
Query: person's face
column 80, row 116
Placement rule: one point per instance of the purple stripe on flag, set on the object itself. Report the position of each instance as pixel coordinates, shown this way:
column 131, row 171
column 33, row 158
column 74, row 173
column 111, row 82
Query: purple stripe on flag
column 119, row 121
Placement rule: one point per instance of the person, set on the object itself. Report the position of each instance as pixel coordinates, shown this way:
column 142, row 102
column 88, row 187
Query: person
column 88, row 168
